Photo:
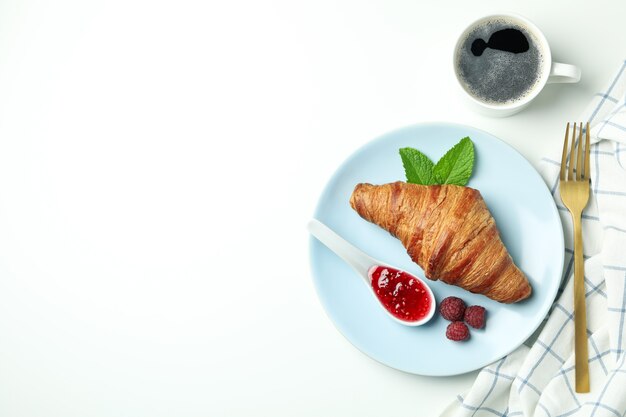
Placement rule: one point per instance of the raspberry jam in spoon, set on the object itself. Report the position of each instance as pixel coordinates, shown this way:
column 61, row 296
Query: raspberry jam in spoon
column 407, row 299
column 402, row 294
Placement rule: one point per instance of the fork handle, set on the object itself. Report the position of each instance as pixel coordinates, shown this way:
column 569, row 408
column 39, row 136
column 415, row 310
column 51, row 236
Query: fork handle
column 580, row 310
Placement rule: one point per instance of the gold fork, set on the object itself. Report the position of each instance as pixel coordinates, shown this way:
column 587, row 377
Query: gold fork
column 575, row 195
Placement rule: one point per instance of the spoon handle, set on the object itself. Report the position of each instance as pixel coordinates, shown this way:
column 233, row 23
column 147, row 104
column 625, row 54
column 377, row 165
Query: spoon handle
column 356, row 258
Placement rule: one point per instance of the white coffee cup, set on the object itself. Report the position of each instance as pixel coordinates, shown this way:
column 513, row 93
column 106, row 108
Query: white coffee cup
column 550, row 72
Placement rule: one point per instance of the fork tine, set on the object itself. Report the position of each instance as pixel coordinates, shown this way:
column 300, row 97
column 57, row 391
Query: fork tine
column 587, row 151
column 579, row 156
column 564, row 157
column 572, row 161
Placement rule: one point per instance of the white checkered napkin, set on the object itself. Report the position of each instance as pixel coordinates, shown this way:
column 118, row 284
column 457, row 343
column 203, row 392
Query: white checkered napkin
column 538, row 381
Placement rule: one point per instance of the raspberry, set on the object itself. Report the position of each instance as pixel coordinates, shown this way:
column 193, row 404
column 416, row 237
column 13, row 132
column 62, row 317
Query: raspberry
column 475, row 316
column 457, row 331
column 452, row 308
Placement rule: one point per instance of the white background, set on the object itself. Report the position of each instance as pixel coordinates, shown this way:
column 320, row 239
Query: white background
column 159, row 161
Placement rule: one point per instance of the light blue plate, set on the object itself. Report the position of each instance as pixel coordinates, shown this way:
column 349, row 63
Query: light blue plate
column 529, row 226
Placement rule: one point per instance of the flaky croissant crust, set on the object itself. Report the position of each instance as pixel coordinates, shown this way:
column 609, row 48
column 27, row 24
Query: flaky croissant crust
column 449, row 232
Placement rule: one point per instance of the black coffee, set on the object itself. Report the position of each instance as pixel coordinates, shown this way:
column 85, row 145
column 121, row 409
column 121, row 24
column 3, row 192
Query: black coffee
column 499, row 61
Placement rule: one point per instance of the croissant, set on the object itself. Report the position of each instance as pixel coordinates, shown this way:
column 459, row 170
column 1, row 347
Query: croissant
column 449, row 232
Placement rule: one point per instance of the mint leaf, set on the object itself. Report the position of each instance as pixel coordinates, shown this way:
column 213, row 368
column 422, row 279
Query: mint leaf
column 456, row 166
column 417, row 167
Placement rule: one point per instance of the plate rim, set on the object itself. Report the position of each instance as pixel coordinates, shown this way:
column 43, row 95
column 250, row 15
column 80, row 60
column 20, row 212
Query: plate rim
column 541, row 313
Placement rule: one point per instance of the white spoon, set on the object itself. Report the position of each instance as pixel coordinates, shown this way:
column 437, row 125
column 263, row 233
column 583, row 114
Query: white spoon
column 366, row 266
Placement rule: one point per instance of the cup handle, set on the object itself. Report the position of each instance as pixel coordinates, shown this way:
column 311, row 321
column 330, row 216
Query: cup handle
column 563, row 73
